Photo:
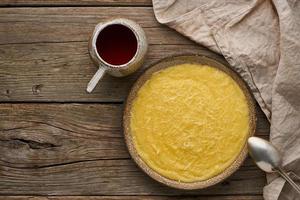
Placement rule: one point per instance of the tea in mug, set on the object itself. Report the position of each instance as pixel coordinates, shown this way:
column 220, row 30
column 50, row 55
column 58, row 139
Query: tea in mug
column 116, row 44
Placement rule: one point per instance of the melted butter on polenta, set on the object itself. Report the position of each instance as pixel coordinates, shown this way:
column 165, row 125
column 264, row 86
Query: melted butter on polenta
column 189, row 122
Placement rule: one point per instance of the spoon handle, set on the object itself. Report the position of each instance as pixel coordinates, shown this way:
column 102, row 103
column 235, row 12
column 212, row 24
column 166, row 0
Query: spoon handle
column 288, row 179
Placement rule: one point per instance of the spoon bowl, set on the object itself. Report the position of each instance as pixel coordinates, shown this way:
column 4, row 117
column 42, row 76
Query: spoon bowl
column 265, row 155
column 268, row 158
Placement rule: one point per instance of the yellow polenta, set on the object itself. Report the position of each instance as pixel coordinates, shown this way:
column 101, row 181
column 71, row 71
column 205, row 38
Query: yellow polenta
column 189, row 122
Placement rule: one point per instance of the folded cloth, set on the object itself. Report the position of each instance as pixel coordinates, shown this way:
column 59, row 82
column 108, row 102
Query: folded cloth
column 260, row 39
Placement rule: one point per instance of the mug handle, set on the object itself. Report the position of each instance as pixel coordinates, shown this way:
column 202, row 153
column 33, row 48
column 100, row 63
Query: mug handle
column 96, row 78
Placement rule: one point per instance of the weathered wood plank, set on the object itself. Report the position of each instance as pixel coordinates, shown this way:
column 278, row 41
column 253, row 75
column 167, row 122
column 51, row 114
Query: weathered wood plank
column 75, row 2
column 63, row 24
column 39, row 135
column 60, row 72
column 238, row 197
column 55, row 63
column 110, row 177
column 78, row 149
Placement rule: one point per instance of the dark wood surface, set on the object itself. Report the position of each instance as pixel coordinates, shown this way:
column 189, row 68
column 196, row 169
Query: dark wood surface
column 236, row 197
column 55, row 139
column 76, row 2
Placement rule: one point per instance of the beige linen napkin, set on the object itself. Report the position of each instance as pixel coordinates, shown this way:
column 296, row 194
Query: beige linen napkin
column 261, row 41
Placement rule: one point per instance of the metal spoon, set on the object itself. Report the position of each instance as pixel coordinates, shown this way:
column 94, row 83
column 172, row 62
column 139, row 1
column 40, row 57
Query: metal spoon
column 268, row 158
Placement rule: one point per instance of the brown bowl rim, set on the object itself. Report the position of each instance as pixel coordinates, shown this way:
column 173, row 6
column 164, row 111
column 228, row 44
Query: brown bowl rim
column 168, row 62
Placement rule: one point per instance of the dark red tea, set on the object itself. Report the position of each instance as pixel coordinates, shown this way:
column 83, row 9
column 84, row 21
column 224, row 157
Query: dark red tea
column 116, row 44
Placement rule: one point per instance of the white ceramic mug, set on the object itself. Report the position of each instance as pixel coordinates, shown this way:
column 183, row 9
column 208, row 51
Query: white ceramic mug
column 117, row 70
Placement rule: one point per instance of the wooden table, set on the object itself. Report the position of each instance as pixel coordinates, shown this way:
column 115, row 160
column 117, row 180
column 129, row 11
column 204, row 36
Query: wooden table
column 59, row 141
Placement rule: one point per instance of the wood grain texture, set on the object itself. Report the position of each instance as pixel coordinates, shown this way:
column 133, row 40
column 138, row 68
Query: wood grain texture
column 110, row 177
column 79, row 149
column 50, row 62
column 66, row 24
column 75, row 2
column 237, row 197
column 60, row 72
